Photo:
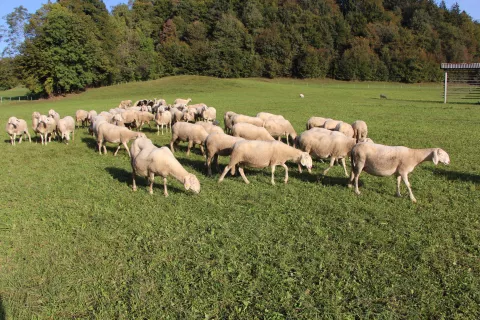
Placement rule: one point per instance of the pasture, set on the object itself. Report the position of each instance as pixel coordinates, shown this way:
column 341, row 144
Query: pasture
column 76, row 242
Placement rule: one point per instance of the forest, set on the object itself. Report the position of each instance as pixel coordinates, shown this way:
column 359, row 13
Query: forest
column 71, row 45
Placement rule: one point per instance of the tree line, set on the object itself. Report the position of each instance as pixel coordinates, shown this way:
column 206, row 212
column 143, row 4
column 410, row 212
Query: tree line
column 72, row 45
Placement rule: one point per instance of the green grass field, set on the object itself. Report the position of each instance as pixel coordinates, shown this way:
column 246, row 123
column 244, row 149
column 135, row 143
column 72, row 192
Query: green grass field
column 76, row 242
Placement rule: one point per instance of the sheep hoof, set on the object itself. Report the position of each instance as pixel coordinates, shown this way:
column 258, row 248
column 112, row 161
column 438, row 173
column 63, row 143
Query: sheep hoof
column 350, row 185
column 357, row 193
column 150, row 191
column 166, row 194
column 414, row 200
column 398, row 195
column 134, row 188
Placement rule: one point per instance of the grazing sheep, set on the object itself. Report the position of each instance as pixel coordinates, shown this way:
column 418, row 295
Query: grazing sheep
column 251, row 132
column 265, row 116
column 16, row 127
column 360, row 130
column 280, row 127
column 46, row 127
column 209, row 114
column 383, row 161
column 331, row 124
column 91, row 114
column 209, row 127
column 218, row 144
column 316, row 122
column 144, row 117
column 345, row 128
column 188, row 115
column 148, row 161
column 125, row 104
column 35, row 120
column 81, row 116
column 107, row 132
column 163, row 118
column 92, row 129
column 65, row 127
column 240, row 118
column 302, row 96
column 128, row 118
column 107, row 115
column 177, row 115
column 227, row 121
column 191, row 133
column 260, row 154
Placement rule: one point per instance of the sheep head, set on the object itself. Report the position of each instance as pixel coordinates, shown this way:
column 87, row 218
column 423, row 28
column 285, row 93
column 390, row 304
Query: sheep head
column 306, row 161
column 191, row 183
column 440, row 155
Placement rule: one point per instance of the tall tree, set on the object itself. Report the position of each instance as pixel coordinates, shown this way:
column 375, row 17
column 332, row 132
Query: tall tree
column 15, row 34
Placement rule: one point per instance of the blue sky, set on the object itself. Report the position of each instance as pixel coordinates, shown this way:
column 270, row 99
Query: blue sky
column 472, row 7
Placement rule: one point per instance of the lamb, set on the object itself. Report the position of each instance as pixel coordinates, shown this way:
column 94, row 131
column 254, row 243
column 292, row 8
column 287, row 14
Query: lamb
column 381, row 160
column 125, row 104
column 148, row 161
column 65, row 127
column 81, row 116
column 16, row 127
column 247, row 119
column 345, row 128
column 144, row 117
column 193, row 134
column 260, row 154
column 209, row 114
column 280, row 127
column 107, row 132
column 209, row 127
column 227, row 120
column 129, row 117
column 318, row 122
column 251, row 132
column 218, row 144
column 360, row 130
column 46, row 127
column 265, row 116
column 331, row 124
column 163, row 118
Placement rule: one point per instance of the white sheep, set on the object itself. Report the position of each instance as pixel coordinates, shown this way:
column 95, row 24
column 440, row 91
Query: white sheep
column 360, row 130
column 265, row 116
column 163, row 118
column 91, row 114
column 381, row 160
column 144, row 117
column 251, row 132
column 227, row 121
column 177, row 115
column 240, row 118
column 65, row 127
column 280, row 127
column 302, row 96
column 107, row 132
column 209, row 114
column 125, row 104
column 181, row 102
column 260, row 154
column 218, row 144
column 81, row 116
column 331, row 124
column 209, row 127
column 35, row 120
column 189, row 132
column 16, row 127
column 149, row 161
column 318, row 122
column 46, row 127
column 345, row 128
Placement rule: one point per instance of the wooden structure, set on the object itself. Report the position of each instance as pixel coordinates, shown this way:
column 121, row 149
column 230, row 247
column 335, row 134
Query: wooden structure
column 462, row 81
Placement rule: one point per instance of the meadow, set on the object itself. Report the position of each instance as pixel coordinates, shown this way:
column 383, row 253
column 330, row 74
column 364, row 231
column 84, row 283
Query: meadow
column 77, row 242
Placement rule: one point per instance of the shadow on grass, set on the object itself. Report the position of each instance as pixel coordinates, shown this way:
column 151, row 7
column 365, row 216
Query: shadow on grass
column 3, row 315
column 197, row 165
column 125, row 176
column 455, row 175
column 91, row 142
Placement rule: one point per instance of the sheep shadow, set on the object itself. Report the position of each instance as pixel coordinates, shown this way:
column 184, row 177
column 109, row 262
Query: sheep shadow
column 197, row 165
column 125, row 176
column 91, row 142
column 455, row 175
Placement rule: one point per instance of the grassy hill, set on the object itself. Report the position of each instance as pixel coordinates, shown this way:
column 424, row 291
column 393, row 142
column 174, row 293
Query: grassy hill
column 76, row 242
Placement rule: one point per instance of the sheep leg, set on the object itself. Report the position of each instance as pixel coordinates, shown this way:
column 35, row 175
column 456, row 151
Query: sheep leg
column 202, row 150
column 190, row 145
column 171, row 144
column 332, row 161
column 273, row 174
column 165, row 192
column 104, row 149
column 215, row 159
column 286, row 172
column 151, row 178
column 134, row 185
column 299, row 168
column 240, row 169
column 128, row 150
column 223, row 174
column 405, row 179
column 287, row 140
column 399, row 179
column 209, row 168
column 99, row 146
column 344, row 166
column 158, row 130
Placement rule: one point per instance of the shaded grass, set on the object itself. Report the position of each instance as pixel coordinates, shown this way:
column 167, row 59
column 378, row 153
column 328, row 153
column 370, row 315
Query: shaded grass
column 75, row 241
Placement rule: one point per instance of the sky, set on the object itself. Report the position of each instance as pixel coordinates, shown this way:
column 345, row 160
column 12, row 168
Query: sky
column 472, row 7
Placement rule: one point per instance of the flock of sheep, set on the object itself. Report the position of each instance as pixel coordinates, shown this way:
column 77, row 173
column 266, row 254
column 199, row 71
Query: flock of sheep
column 252, row 141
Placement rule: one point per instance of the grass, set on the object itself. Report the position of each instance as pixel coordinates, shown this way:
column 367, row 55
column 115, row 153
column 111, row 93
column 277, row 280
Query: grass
column 76, row 242
column 14, row 93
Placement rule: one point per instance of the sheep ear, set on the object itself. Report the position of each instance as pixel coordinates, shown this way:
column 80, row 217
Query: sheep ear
column 435, row 156
column 186, row 184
